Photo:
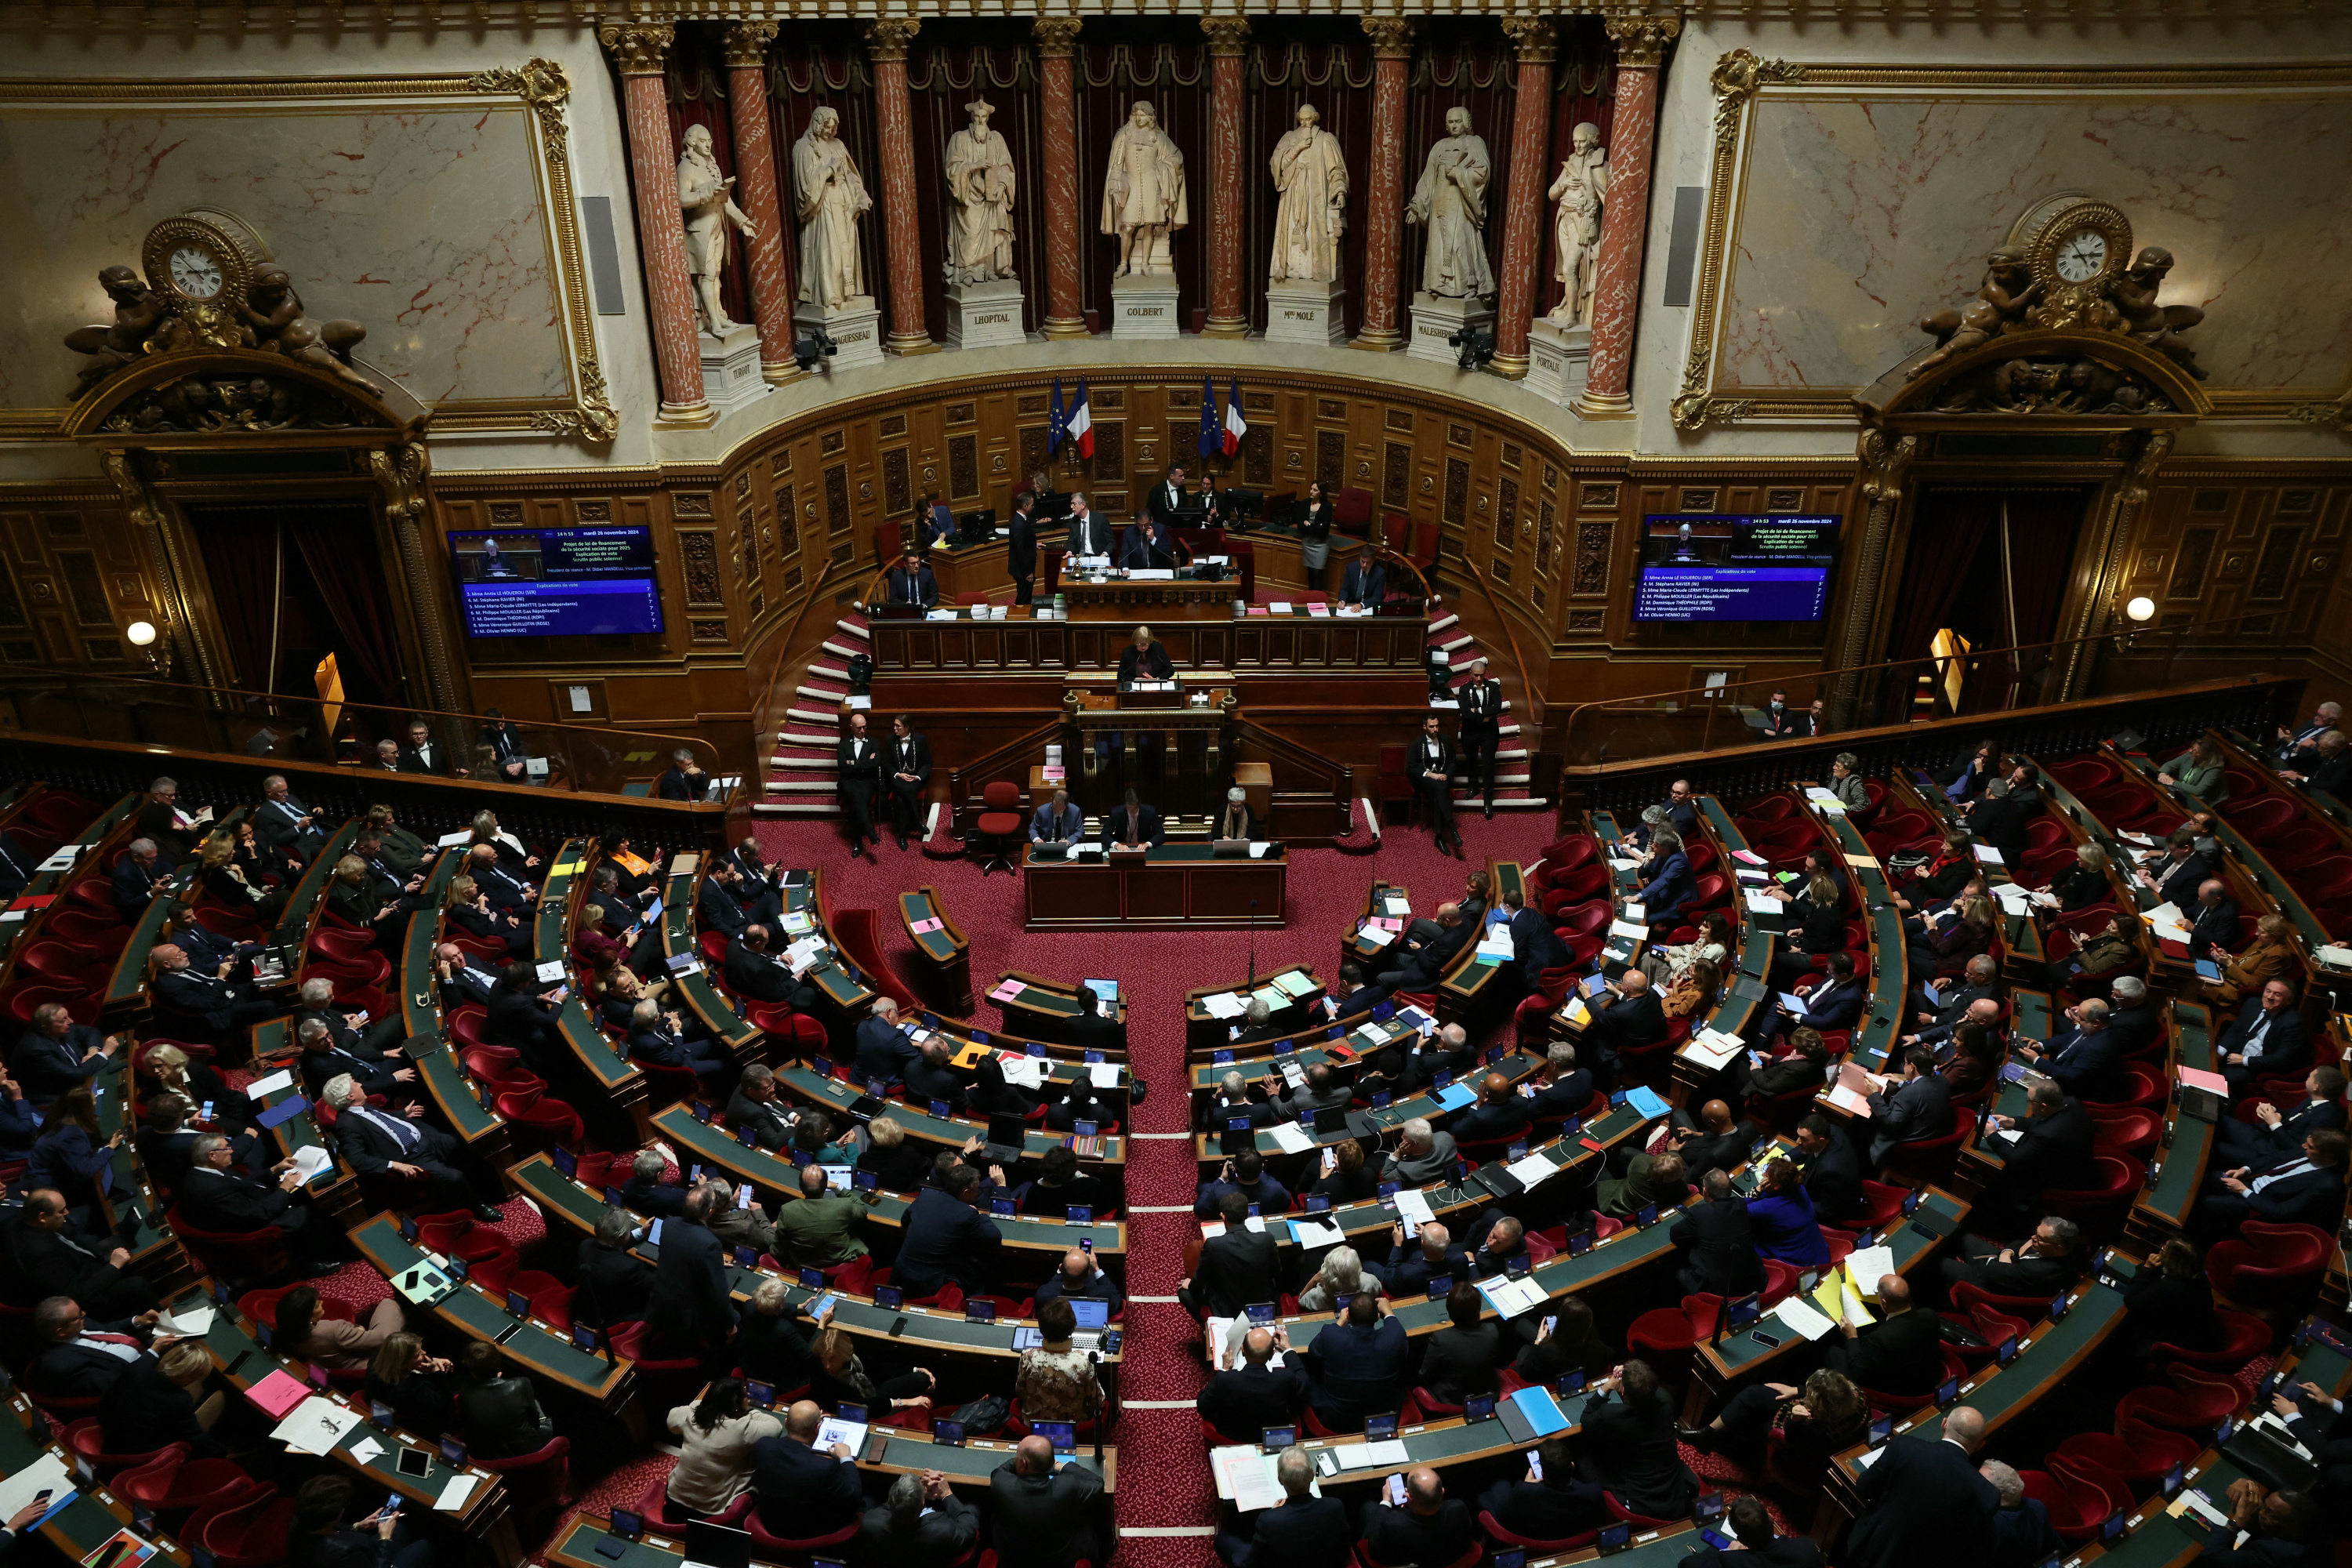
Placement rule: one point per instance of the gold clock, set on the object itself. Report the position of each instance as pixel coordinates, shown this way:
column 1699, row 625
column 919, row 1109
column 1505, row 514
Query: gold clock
column 2075, row 243
column 201, row 259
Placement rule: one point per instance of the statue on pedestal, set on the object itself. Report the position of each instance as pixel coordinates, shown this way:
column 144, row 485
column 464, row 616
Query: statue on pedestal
column 1581, row 190
column 1143, row 193
column 829, row 198
column 1313, row 211
column 1451, row 202
column 979, row 201
column 707, row 199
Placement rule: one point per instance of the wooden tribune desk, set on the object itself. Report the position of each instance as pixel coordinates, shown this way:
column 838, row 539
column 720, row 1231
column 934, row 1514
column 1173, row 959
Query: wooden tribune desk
column 1174, row 885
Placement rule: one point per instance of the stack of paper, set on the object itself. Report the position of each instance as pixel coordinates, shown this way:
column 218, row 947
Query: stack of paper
column 1798, row 1313
column 1390, row 1454
column 1315, row 1233
column 1759, row 902
column 1246, row 1479
column 2337, row 957
column 1375, row 936
column 1837, row 1296
column 1029, row 1072
column 1629, row 930
column 1747, row 858
column 1712, row 1050
column 1295, row 982
column 1748, row 874
column 1574, row 1013
column 1532, row 1170
column 1511, row 1297
column 1104, row 1075
column 1413, row 1207
column 1222, row 1005
column 311, row 1162
column 1007, row 991
column 1271, row 996
column 1397, row 904
column 189, row 1321
column 1867, row 1266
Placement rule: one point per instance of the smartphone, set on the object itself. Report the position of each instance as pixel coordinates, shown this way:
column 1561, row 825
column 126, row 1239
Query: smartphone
column 898, row 1328
column 391, row 1502
column 1762, row 1338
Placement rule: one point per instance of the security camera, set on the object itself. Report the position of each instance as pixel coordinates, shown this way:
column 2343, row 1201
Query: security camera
column 1476, row 343
column 811, row 346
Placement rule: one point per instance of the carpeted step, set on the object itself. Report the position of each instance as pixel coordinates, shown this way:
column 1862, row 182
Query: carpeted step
column 843, row 650
column 813, row 715
column 820, row 693
column 775, row 805
column 1444, row 621
column 812, row 738
column 804, row 760
column 827, row 672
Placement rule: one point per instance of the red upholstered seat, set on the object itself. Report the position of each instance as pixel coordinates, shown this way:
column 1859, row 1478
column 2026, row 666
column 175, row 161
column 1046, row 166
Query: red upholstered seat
column 999, row 824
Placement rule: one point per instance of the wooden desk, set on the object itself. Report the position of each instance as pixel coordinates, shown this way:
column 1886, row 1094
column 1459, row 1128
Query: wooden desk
column 1125, row 599
column 942, row 955
column 690, row 983
column 1475, row 995
column 946, row 1130
column 1516, row 1066
column 1176, row 884
column 1045, row 1009
column 2177, row 1174
column 624, row 1087
column 1204, row 1032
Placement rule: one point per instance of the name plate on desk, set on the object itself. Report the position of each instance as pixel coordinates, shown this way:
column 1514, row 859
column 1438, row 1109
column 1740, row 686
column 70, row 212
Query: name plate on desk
column 1151, row 694
column 1134, row 852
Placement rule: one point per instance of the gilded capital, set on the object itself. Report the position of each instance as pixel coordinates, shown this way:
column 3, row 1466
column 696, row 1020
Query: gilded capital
column 1533, row 37
column 638, row 48
column 887, row 39
column 1642, row 40
column 1226, row 35
column 1057, row 37
column 1391, row 36
column 747, row 42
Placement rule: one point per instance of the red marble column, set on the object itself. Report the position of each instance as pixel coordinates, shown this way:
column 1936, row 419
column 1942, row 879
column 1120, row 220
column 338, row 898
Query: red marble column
column 1625, row 219
column 1066, row 226
column 1522, row 198
column 755, row 192
column 1384, row 183
column 894, row 149
column 638, row 49
column 1228, row 211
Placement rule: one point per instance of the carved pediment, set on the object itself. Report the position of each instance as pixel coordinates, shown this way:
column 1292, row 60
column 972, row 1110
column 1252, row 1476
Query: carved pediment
column 202, row 397
column 2056, row 378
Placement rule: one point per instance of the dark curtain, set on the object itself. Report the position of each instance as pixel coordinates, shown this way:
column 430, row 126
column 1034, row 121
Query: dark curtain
column 2044, row 526
column 1947, row 530
column 338, row 546
column 241, row 568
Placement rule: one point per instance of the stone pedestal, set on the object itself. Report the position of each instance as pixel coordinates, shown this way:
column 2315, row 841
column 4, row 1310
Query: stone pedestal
column 1436, row 319
column 985, row 315
column 856, row 328
column 731, row 368
column 1143, row 306
column 1557, row 358
column 1300, row 312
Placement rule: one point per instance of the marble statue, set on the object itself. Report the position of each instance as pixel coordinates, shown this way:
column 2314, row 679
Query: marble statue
column 1581, row 190
column 1313, row 211
column 707, row 200
column 829, row 198
column 1143, row 193
column 979, row 201
column 1451, row 202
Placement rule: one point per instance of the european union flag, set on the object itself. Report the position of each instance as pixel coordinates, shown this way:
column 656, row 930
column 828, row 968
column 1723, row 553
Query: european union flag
column 1057, row 422
column 1213, row 429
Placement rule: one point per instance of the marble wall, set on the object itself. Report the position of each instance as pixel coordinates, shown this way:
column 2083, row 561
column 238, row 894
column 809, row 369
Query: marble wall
column 1864, row 208
column 423, row 222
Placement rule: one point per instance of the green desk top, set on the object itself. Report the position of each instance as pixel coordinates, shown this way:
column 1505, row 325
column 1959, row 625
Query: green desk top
column 1469, row 980
column 128, row 984
column 1206, row 1075
column 2177, row 1172
column 778, row 1177
column 836, row 1095
column 1195, row 1012
column 936, row 944
column 693, row 983
column 1516, row 1066
column 456, row 1095
column 298, row 1131
column 82, row 1525
column 92, row 836
column 417, row 986
column 1451, row 1441
column 535, row 1347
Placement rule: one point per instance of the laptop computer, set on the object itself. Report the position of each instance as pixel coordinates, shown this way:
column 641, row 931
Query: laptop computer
column 1007, row 1135
column 1053, row 851
column 712, row 1546
column 1229, row 848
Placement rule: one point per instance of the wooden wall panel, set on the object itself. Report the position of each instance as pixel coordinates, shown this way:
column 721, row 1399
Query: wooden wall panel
column 73, row 575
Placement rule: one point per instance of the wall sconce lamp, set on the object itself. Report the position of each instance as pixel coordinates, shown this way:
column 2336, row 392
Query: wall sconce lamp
column 2141, row 608
column 145, row 638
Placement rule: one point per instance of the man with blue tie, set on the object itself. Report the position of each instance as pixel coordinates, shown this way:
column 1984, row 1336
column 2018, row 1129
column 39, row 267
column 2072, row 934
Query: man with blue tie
column 1366, row 582
column 938, row 523
column 136, row 876
column 1059, row 821
column 2085, row 1060
column 2268, row 1040
column 2298, row 744
column 376, row 1140
column 911, row 583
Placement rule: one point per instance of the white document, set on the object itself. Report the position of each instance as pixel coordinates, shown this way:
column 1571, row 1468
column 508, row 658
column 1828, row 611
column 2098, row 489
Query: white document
column 316, row 1426
column 367, row 1450
column 1820, row 797
column 1863, row 1461
column 1576, row 1013
column 1315, row 1233
column 2167, row 913
column 1532, row 1170
column 1629, row 931
column 188, row 1323
column 1760, row 903
column 1223, row 1004
column 1636, row 912
column 63, row 861
column 1865, row 1266
column 453, row 1495
column 550, row 971
column 47, row 1472
column 1105, row 1075
column 1291, row 1138
column 1511, row 1297
column 2202, row 1509
column 833, row 1429
column 311, row 1162
column 1799, row 1314
column 1375, row 1456
column 1029, row 1072
column 1712, row 1050
column 1279, row 607
column 1381, row 936
column 1748, row 874
column 1257, row 851
column 1989, row 855
column 449, row 840
column 1245, row 1477
column 2331, row 954
column 939, row 614
column 1396, row 904
column 1412, row 1203
column 1627, row 864
column 270, row 1085
column 1496, row 949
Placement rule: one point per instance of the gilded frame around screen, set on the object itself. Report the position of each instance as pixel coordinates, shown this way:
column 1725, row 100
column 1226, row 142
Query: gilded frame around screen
column 540, row 88
column 1740, row 79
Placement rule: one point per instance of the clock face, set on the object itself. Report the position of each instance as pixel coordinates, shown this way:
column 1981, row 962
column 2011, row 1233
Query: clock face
column 2080, row 256
column 195, row 272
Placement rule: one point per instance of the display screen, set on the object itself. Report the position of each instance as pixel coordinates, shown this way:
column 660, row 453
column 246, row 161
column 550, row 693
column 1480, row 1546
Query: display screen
column 1735, row 568
column 556, row 582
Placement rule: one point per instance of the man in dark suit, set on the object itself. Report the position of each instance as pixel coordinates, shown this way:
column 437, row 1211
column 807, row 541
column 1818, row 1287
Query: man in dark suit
column 46, row 1257
column 374, row 1141
column 425, row 755
column 2307, row 1189
column 1302, row 1531
column 1719, row 1248
column 1533, row 941
column 1912, row 1109
column 2022, row 1533
column 215, row 1198
column 660, row 1038
column 754, row 1105
column 2053, row 1148
column 2177, row 874
column 647, row 1193
column 1244, row 1174
column 1089, row 534
column 2213, row 921
column 56, row 1054
column 1044, row 1514
column 1090, row 1030
column 1134, row 823
column 1832, row 1171
column 1235, row 1269
column 1836, row 1003
column 2282, row 1528
column 2277, row 1133
column 1431, row 1529
column 920, row 1524
column 2133, row 1019
column 2083, row 1059
column 1365, row 584
column 1479, row 704
column 1167, row 499
column 1360, row 1365
column 2267, row 1039
column 1977, row 982
column 1144, row 660
column 883, row 1049
column 1149, row 546
column 285, row 824
column 684, row 781
column 1499, row 1116
column 912, row 583
column 1927, row 1504
column 1720, row 1141
column 931, row 1081
column 2048, row 1261
column 1059, row 821
column 1625, row 1016
column 1901, row 1354
column 1567, row 1088
column 225, row 1005
column 947, row 1238
column 1681, row 814
column 1429, row 766
column 1417, row 969
column 1081, row 1279
column 138, row 871
column 1549, row 1503
column 1242, row 1401
column 80, row 1358
column 1782, row 722
column 804, row 1492
column 858, row 761
column 906, row 773
column 1752, row 1527
column 691, row 1307
column 753, row 971
column 167, row 1150
column 1021, row 548
column 1999, row 819
column 715, row 906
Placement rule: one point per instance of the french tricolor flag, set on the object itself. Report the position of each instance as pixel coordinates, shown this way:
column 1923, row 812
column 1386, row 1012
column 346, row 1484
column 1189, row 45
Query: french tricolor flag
column 1082, row 425
column 1235, row 426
